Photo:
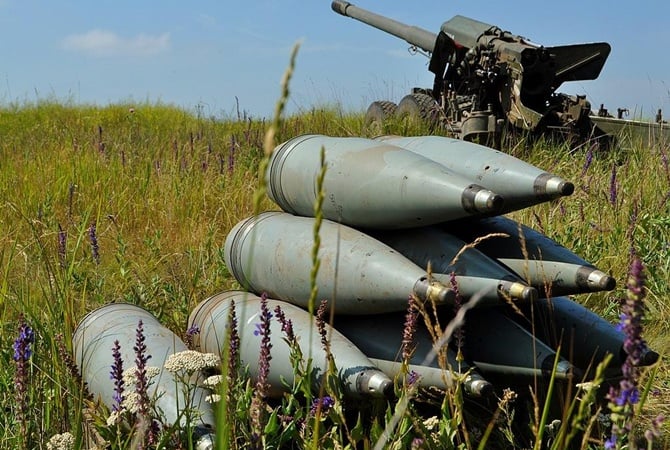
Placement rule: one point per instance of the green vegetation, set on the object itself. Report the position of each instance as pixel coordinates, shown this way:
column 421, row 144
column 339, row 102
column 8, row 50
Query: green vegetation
column 132, row 203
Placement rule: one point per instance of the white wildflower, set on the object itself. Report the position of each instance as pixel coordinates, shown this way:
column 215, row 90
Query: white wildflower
column 130, row 375
column 131, row 403
column 190, row 361
column 431, row 423
column 213, row 398
column 64, row 441
column 213, row 381
column 114, row 418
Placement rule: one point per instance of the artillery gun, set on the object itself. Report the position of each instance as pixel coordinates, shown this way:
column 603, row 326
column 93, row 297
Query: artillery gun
column 487, row 79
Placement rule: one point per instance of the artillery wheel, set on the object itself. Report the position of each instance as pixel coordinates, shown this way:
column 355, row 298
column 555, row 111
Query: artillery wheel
column 419, row 109
column 378, row 112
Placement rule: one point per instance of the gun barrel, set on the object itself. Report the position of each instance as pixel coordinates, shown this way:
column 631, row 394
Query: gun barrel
column 414, row 35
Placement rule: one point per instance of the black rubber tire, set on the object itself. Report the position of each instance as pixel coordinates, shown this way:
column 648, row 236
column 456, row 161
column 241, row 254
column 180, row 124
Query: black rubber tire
column 419, row 108
column 377, row 114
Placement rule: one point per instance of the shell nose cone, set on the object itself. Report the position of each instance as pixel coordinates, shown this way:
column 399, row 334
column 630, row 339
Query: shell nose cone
column 476, row 199
column 566, row 188
column 481, row 388
column 607, row 283
column 374, row 382
column 648, row 357
column 600, row 281
column 552, row 186
column 494, row 202
column 519, row 291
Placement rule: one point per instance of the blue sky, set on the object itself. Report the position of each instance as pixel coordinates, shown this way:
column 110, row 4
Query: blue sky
column 209, row 53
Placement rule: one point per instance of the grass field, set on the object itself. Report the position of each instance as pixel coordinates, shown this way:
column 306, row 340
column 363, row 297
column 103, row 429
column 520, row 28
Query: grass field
column 132, row 203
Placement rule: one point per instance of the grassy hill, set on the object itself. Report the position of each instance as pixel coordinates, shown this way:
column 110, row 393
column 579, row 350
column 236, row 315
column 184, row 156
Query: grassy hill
column 132, row 203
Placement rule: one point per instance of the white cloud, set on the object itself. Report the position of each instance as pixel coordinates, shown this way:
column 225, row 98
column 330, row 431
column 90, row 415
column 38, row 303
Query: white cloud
column 108, row 43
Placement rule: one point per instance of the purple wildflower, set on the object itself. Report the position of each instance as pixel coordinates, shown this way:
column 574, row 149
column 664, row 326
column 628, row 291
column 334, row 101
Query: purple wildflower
column 116, row 375
column 588, row 160
column 95, row 248
column 322, row 405
column 233, row 344
column 655, row 431
column 192, row 331
column 22, row 353
column 409, row 329
column 264, row 358
column 416, row 443
column 622, row 398
column 321, row 324
column 22, row 350
column 141, row 358
column 62, row 243
column 613, row 186
column 286, row 325
column 413, row 377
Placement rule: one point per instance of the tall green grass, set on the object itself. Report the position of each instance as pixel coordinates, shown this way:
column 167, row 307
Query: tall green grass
column 163, row 186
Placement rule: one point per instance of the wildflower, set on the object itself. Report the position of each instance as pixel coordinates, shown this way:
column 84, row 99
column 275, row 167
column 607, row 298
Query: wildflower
column 655, row 431
column 262, row 386
column 22, row 350
column 587, row 161
column 412, row 378
column 190, row 361
column 22, row 353
column 129, row 375
column 286, row 324
column 64, row 441
column 322, row 404
column 264, row 357
column 131, row 402
column 321, row 323
column 192, row 331
column 431, row 423
column 115, row 418
column 409, row 329
column 95, row 248
column 416, row 443
column 62, row 244
column 213, row 381
column 116, row 376
column 626, row 395
column 141, row 382
column 233, row 344
column 213, row 398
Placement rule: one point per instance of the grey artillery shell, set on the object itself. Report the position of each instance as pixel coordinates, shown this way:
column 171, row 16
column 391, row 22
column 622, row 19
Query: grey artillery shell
column 358, row 374
column 272, row 252
column 475, row 272
column 585, row 337
column 92, row 344
column 495, row 343
column 519, row 183
column 550, row 267
column 380, row 338
column 372, row 184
